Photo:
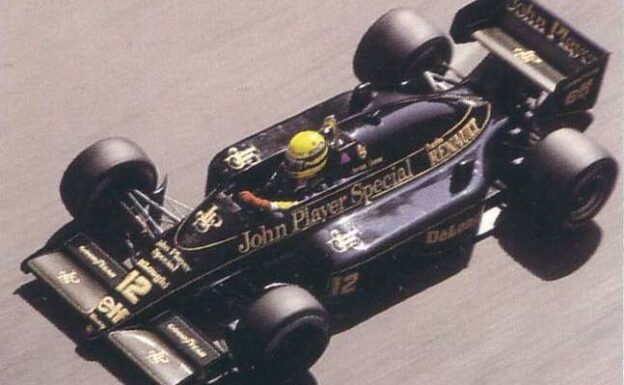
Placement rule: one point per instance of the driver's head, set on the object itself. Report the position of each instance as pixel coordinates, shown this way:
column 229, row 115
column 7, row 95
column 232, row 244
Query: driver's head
column 306, row 155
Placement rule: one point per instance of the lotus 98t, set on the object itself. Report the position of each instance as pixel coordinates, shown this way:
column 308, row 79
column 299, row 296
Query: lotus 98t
column 297, row 218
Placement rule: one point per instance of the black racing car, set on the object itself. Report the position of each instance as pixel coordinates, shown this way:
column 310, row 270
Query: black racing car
column 194, row 295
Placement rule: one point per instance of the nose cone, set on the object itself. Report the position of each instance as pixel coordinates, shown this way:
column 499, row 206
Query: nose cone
column 211, row 224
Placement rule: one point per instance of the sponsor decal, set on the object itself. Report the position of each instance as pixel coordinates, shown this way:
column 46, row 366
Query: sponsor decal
column 451, row 231
column 169, row 256
column 527, row 55
column 240, row 159
column 314, row 213
column 344, row 284
column 318, row 212
column 370, row 188
column 114, row 311
column 343, row 241
column 187, row 340
column 158, row 357
column 552, row 29
column 261, row 237
column 528, row 14
column 369, row 163
column 580, row 92
column 97, row 261
column 206, row 220
column 153, row 273
column 68, row 277
column 442, row 149
column 134, row 286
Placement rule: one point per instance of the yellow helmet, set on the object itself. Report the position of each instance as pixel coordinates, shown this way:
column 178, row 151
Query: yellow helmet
column 306, row 155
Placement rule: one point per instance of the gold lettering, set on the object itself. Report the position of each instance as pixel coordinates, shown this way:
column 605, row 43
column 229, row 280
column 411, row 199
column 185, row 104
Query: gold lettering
column 580, row 92
column 432, row 236
column 528, row 14
column 344, row 284
column 527, row 55
column 246, row 245
column 299, row 216
column 113, row 311
column 187, row 340
column 170, row 257
column 262, row 237
column 68, row 277
column 97, row 261
column 317, row 214
column 158, row 357
column 206, row 220
column 440, row 151
column 365, row 192
column 451, row 231
column 134, row 286
column 558, row 31
column 359, row 168
column 157, row 278
column 553, row 30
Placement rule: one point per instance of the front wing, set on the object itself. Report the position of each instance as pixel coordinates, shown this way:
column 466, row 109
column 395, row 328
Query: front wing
column 167, row 348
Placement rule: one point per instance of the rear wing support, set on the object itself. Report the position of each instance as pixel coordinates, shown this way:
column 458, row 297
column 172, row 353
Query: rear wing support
column 546, row 50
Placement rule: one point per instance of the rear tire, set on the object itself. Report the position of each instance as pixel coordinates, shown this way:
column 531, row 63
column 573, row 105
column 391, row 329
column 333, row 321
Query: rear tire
column 97, row 177
column 282, row 334
column 399, row 46
column 573, row 177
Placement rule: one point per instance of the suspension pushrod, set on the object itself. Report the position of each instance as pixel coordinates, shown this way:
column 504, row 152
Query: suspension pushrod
column 148, row 218
column 157, row 206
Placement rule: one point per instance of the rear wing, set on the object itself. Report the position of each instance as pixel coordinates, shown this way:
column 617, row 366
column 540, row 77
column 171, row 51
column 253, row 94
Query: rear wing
column 549, row 52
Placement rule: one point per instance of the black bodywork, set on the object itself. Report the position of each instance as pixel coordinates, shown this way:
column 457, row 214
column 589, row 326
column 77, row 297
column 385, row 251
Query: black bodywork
column 418, row 165
column 407, row 174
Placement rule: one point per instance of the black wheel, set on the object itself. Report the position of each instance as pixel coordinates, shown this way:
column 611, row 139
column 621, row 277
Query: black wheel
column 573, row 177
column 281, row 334
column 97, row 176
column 400, row 45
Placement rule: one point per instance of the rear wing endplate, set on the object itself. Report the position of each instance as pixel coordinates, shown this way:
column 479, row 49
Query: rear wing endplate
column 549, row 52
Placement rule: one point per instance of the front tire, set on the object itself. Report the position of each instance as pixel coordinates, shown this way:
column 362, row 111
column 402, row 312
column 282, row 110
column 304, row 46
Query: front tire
column 96, row 178
column 573, row 177
column 399, row 46
column 282, row 333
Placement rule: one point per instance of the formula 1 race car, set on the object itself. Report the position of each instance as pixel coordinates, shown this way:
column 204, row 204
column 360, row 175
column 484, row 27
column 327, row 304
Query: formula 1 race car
column 413, row 157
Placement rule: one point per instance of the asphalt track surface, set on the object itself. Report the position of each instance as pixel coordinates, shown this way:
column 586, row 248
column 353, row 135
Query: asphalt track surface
column 186, row 79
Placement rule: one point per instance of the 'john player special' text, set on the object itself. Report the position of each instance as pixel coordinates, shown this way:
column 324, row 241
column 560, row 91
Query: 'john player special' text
column 304, row 217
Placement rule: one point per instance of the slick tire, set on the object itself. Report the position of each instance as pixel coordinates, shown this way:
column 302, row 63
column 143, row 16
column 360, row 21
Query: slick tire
column 282, row 334
column 98, row 176
column 399, row 46
column 573, row 178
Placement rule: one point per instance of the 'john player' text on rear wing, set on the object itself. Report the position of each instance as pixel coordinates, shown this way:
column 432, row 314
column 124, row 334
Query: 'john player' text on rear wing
column 545, row 49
